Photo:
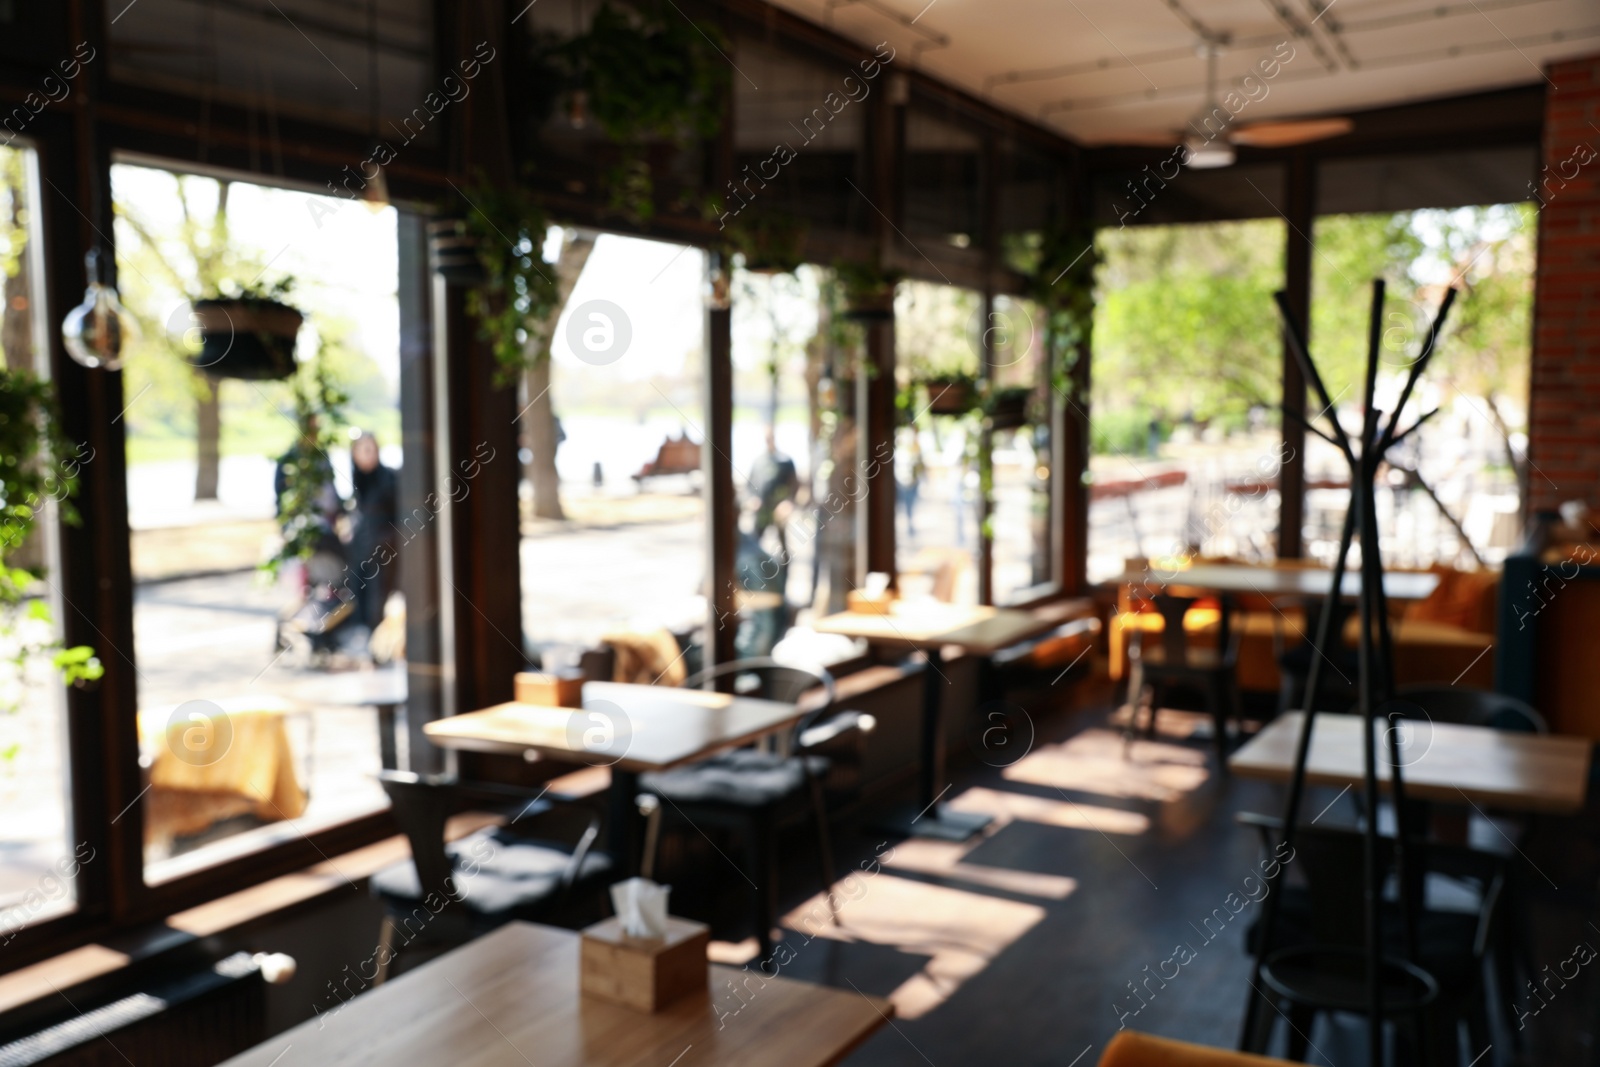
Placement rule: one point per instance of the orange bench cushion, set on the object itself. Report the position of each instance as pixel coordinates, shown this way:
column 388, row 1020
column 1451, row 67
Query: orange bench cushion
column 1133, row 1049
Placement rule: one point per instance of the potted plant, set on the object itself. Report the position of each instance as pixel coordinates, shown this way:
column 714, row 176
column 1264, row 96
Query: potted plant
column 516, row 289
column 950, row 394
column 769, row 241
column 868, row 290
column 646, row 73
column 39, row 466
column 453, row 250
column 247, row 332
column 319, row 402
column 1007, row 408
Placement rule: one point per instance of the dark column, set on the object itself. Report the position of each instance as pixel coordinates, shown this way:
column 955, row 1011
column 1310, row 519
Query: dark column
column 479, row 529
column 1301, row 213
column 420, row 500
column 716, row 457
column 875, row 452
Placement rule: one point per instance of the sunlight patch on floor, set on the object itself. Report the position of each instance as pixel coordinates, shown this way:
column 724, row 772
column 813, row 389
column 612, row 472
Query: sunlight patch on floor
column 959, row 931
column 1102, row 761
column 944, row 859
column 1006, row 807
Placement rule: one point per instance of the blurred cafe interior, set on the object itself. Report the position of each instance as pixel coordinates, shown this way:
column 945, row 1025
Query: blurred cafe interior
column 799, row 532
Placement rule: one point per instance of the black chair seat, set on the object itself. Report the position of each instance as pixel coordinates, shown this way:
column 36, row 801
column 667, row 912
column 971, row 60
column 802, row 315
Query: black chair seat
column 745, row 778
column 496, row 873
column 1445, row 939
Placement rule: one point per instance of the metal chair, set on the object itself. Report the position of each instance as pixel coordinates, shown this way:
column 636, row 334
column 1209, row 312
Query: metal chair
column 753, row 791
column 1176, row 663
column 1317, row 959
column 449, row 893
column 1474, row 707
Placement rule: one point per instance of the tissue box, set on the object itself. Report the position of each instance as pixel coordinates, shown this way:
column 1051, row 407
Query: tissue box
column 551, row 690
column 866, row 604
column 645, row 974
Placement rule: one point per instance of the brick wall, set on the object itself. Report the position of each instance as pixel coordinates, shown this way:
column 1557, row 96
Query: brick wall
column 1565, row 398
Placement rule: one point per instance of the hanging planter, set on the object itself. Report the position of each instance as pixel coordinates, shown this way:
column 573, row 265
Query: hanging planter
column 247, row 337
column 951, row 395
column 770, row 242
column 453, row 252
column 868, row 291
column 1008, row 408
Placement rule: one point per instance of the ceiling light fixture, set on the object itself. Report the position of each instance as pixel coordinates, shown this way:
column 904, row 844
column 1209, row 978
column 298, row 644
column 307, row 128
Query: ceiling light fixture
column 1207, row 138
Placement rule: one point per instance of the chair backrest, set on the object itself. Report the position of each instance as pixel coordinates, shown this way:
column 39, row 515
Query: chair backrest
column 1174, row 639
column 420, row 805
column 1473, row 707
column 768, row 679
column 1333, row 861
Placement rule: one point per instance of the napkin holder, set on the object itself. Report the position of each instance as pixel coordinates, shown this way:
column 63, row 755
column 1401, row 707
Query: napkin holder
column 644, row 973
column 549, row 690
column 866, row 604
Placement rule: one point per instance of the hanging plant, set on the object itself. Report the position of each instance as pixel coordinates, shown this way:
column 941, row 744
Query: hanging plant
column 771, row 242
column 1062, row 284
column 867, row 290
column 1007, row 408
column 247, row 331
column 518, row 290
column 647, row 73
column 37, row 464
column 303, row 505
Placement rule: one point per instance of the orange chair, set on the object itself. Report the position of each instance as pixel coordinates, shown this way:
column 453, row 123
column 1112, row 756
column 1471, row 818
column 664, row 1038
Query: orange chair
column 1133, row 1049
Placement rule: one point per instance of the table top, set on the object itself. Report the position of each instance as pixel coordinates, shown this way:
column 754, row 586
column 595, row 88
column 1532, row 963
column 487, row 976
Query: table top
column 383, row 685
column 512, row 997
column 633, row 727
column 1442, row 762
column 1280, row 581
column 914, row 624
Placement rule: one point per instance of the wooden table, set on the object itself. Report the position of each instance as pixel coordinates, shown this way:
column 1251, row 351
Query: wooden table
column 1443, row 762
column 383, row 689
column 629, row 728
column 1279, row 581
column 512, row 997
column 927, row 627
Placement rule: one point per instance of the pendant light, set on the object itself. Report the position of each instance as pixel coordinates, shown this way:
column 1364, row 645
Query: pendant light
column 1209, row 148
column 96, row 331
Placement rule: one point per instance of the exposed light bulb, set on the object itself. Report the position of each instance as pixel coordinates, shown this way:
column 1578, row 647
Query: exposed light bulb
column 96, row 331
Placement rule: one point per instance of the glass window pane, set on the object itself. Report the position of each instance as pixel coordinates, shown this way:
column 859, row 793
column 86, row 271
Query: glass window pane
column 1453, row 492
column 40, row 858
column 1186, row 392
column 1019, row 519
column 259, row 695
column 937, row 330
column 614, row 542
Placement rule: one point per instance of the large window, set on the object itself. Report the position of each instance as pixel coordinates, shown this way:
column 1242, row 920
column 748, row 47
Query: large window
column 1020, row 456
column 259, row 691
column 1453, row 492
column 38, row 855
column 938, row 331
column 1186, row 391
column 614, row 544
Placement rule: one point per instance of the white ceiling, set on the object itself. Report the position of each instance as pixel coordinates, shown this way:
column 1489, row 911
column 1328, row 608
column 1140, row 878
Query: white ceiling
column 1130, row 71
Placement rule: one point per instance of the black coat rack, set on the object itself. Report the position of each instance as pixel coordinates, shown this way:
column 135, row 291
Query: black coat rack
column 1375, row 652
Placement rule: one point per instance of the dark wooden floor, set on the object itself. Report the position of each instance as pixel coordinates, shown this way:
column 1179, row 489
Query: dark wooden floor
column 1025, row 947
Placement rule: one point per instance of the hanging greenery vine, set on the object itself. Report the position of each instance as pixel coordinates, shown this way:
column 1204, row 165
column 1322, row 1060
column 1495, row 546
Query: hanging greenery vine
column 319, row 403
column 37, row 464
column 519, row 290
column 1062, row 284
column 646, row 73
